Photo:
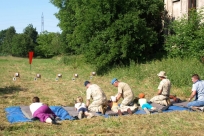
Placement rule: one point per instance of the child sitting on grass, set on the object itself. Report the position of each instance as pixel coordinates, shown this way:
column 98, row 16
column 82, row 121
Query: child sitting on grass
column 144, row 105
column 115, row 108
column 43, row 112
column 81, row 108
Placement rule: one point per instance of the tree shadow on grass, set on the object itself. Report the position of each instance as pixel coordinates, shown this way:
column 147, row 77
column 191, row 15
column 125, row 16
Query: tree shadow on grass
column 11, row 89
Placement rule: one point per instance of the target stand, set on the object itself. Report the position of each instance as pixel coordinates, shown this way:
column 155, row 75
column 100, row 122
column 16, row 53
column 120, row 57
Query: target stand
column 16, row 76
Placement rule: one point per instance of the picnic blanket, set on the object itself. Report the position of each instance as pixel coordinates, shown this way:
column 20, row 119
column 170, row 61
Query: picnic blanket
column 23, row 113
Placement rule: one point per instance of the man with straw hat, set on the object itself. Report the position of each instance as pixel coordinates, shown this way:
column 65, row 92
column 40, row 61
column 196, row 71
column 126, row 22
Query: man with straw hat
column 164, row 87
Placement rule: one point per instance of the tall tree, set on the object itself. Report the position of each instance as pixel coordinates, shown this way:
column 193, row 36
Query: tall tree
column 49, row 44
column 21, row 45
column 33, row 34
column 6, row 40
column 111, row 31
column 2, row 37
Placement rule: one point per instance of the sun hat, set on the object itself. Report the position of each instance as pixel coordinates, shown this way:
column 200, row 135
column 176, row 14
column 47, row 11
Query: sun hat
column 141, row 95
column 162, row 74
column 86, row 83
column 113, row 80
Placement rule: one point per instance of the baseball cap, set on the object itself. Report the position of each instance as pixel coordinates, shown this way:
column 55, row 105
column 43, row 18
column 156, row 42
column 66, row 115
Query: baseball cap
column 113, row 80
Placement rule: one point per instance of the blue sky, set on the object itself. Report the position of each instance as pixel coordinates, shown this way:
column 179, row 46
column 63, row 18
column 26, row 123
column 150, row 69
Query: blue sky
column 21, row 13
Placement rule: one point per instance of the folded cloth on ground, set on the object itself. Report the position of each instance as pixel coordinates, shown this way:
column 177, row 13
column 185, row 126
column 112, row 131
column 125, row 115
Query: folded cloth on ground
column 61, row 112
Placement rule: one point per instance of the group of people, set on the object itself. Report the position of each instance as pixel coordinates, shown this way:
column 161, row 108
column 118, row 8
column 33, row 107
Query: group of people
column 129, row 103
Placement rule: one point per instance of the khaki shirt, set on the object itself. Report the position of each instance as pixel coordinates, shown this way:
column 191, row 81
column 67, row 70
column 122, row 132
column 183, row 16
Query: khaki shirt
column 95, row 92
column 124, row 89
column 165, row 86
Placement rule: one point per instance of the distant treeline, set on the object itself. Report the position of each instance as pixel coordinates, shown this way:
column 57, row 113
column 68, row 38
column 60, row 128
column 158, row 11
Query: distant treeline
column 111, row 33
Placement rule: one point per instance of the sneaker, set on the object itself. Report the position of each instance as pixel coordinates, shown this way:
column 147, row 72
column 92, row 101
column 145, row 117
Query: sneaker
column 129, row 111
column 168, row 101
column 58, row 120
column 164, row 102
column 165, row 108
column 202, row 109
column 90, row 116
column 147, row 111
column 119, row 113
column 80, row 115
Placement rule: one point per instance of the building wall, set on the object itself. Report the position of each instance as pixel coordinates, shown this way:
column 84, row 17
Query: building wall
column 178, row 8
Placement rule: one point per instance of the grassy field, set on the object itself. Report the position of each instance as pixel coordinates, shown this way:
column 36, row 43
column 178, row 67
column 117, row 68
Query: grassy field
column 141, row 78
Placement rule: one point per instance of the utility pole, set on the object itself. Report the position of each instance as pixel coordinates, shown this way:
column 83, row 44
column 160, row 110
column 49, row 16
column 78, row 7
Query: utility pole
column 42, row 23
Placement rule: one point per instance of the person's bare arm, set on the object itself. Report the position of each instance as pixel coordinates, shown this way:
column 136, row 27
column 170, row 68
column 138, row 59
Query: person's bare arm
column 87, row 103
column 159, row 92
column 118, row 97
column 192, row 95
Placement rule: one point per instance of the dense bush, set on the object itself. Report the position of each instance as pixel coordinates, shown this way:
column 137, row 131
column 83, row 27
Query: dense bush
column 187, row 37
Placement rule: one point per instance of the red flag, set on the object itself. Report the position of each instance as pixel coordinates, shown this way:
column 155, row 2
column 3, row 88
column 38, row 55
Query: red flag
column 30, row 56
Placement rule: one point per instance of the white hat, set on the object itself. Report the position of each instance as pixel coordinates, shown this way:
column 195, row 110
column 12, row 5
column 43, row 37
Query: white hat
column 113, row 98
column 162, row 74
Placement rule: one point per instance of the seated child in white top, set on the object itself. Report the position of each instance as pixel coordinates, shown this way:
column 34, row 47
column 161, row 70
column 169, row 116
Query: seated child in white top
column 81, row 108
column 143, row 103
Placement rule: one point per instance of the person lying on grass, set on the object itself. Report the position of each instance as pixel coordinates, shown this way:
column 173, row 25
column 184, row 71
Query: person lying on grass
column 42, row 112
column 81, row 108
column 113, row 105
column 145, row 105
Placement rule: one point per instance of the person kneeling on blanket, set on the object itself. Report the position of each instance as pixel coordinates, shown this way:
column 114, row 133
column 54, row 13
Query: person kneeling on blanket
column 42, row 112
column 81, row 108
column 113, row 105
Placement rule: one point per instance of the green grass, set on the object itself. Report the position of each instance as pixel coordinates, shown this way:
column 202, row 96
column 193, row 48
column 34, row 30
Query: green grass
column 141, row 78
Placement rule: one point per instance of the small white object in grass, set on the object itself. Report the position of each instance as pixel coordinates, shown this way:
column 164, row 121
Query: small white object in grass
column 38, row 76
column 17, row 75
column 14, row 78
column 76, row 75
column 93, row 73
column 59, row 75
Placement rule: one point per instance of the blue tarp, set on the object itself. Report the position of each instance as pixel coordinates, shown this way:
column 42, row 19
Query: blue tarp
column 61, row 112
column 170, row 109
column 14, row 114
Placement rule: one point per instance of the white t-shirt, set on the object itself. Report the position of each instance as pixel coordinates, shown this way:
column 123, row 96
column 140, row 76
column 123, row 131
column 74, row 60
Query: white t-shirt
column 142, row 101
column 35, row 106
column 80, row 105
